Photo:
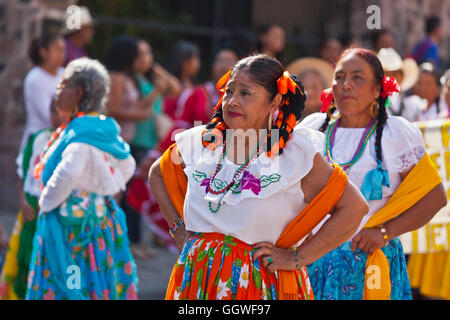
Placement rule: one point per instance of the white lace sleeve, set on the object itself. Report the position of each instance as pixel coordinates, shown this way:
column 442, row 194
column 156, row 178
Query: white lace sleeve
column 402, row 144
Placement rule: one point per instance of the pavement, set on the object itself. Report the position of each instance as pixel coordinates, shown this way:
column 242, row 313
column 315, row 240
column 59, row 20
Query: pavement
column 153, row 274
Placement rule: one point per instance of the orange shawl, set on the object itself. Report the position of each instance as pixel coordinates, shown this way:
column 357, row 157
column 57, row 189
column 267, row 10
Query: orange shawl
column 176, row 184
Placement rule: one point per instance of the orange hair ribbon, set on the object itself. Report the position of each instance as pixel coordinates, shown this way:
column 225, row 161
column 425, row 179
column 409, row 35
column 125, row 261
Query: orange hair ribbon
column 223, row 81
column 286, row 83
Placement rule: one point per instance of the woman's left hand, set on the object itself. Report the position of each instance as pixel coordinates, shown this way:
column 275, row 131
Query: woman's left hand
column 283, row 259
column 368, row 240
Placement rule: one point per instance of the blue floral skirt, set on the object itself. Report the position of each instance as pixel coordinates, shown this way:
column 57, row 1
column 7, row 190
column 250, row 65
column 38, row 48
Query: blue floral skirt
column 94, row 263
column 339, row 275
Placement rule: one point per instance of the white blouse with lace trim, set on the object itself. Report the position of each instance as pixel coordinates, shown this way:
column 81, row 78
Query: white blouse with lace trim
column 402, row 147
column 268, row 197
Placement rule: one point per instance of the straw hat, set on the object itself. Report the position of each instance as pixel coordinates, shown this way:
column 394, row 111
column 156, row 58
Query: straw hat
column 86, row 20
column 391, row 61
column 321, row 66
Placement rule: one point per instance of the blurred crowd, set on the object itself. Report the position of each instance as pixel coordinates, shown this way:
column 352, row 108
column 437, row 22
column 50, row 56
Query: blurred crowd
column 151, row 101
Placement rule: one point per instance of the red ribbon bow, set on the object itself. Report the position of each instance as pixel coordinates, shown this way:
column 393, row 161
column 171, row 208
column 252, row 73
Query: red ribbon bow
column 327, row 98
column 390, row 85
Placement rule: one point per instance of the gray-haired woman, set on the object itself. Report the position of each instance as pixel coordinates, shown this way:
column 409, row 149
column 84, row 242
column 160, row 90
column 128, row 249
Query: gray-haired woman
column 81, row 248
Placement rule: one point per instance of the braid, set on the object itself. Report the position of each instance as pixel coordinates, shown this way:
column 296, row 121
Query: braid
column 215, row 130
column 382, row 118
column 291, row 109
column 325, row 123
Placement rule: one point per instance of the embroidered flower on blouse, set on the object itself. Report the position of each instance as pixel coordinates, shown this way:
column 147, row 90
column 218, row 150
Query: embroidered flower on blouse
column 249, row 181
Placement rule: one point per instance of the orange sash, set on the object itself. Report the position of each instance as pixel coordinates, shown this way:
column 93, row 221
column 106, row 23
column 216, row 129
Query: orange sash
column 176, row 185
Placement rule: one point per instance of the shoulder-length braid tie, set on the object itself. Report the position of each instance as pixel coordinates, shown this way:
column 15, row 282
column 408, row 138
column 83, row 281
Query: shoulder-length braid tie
column 287, row 119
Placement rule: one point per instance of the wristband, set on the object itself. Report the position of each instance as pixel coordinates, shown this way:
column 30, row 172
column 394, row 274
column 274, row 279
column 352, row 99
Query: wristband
column 294, row 250
column 385, row 236
column 178, row 223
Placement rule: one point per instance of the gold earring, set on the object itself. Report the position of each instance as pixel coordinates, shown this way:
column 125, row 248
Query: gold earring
column 270, row 124
column 374, row 110
column 330, row 112
column 74, row 111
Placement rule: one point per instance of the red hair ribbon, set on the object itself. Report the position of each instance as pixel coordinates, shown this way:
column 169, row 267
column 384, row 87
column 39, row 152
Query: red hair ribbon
column 327, row 98
column 286, row 83
column 390, row 85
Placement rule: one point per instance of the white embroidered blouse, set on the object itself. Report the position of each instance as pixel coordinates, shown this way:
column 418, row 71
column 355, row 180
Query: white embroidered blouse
column 85, row 169
column 402, row 147
column 267, row 198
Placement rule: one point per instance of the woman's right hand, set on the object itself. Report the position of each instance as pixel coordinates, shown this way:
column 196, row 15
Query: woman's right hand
column 181, row 236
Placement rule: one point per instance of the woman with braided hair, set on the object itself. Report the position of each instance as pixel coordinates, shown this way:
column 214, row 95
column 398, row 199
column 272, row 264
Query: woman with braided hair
column 385, row 157
column 243, row 192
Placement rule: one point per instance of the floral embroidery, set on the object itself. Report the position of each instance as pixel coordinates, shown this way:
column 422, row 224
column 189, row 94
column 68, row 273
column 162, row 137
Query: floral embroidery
column 247, row 182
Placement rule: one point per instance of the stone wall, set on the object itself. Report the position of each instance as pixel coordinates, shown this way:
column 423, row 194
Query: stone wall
column 20, row 21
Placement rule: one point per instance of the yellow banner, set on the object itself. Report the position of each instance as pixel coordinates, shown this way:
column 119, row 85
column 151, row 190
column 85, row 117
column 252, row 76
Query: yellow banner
column 434, row 236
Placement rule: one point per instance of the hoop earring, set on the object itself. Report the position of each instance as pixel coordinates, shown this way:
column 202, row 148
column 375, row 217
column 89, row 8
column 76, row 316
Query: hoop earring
column 270, row 124
column 330, row 112
column 374, row 110
column 74, row 111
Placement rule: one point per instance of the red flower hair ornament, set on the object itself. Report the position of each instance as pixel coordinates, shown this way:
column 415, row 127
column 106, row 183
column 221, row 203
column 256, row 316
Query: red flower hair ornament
column 390, row 85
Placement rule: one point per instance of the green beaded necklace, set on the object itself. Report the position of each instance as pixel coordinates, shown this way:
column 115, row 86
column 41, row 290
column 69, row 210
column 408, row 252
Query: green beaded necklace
column 238, row 172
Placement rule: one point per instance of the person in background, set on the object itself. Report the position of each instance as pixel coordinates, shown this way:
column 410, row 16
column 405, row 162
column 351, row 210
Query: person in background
column 406, row 72
column 78, row 39
column 184, row 65
column 428, row 87
column 125, row 103
column 330, row 50
column 427, row 50
column 146, row 138
column 185, row 62
column 80, row 227
column 316, row 75
column 271, row 40
column 128, row 106
column 39, row 87
column 13, row 280
column 382, row 38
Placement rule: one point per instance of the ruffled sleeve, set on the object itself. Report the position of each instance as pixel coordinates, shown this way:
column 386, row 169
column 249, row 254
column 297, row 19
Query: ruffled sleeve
column 403, row 144
column 189, row 143
column 313, row 121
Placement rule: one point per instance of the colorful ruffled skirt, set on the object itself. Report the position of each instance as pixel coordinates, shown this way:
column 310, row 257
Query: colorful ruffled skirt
column 90, row 263
column 212, row 266
column 340, row 274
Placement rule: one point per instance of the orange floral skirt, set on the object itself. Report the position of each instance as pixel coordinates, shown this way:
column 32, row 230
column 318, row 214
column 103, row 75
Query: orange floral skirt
column 213, row 266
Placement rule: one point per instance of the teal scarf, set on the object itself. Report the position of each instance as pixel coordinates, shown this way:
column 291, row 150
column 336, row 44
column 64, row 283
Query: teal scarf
column 100, row 132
